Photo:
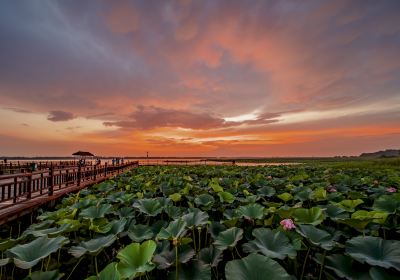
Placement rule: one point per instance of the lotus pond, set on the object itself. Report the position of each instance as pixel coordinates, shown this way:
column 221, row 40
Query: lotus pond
column 314, row 221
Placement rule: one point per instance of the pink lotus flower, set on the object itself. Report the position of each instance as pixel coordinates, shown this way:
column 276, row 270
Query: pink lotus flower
column 287, row 224
column 391, row 189
column 269, row 177
column 331, row 189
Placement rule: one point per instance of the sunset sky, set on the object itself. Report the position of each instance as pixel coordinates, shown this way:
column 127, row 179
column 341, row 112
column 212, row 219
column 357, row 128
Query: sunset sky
column 199, row 78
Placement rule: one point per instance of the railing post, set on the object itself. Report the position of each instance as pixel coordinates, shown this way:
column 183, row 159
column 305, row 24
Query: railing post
column 15, row 189
column 41, row 183
column 66, row 177
column 79, row 176
column 29, row 195
column 105, row 170
column 94, row 172
column 51, row 180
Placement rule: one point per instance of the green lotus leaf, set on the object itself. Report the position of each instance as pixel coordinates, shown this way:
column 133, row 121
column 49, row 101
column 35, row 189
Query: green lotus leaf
column 271, row 244
column 226, row 197
column 126, row 212
column 175, row 229
column 205, row 200
column 285, row 196
column 93, row 246
column 216, row 228
column 194, row 271
column 375, row 251
column 214, row 184
column 251, row 211
column 27, row 255
column 167, row 258
column 376, row 216
column 95, row 212
column 195, row 218
column 175, row 197
column 319, row 194
column 345, row 267
column 73, row 225
column 136, row 258
column 285, row 211
column 335, row 212
column 350, row 205
column 50, row 232
column 378, row 273
column 210, row 256
column 139, row 233
column 354, row 223
column 45, row 275
column 313, row 216
column 173, row 212
column 228, row 238
column 5, row 261
column 255, row 267
column 266, row 191
column 117, row 226
column 304, row 194
column 100, row 225
column 7, row 244
column 148, row 206
column 110, row 272
column 388, row 203
column 317, row 237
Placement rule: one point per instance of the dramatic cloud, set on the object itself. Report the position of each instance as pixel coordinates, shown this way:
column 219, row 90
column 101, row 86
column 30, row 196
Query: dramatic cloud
column 60, row 116
column 202, row 77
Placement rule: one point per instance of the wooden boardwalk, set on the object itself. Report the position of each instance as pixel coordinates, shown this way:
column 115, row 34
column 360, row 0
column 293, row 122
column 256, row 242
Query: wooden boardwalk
column 23, row 193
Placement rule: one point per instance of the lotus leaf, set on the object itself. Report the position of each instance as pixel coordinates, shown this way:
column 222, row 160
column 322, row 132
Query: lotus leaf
column 388, row 203
column 378, row 217
column 317, row 236
column 266, row 191
column 350, row 205
column 228, row 238
column 375, row 251
column 226, row 197
column 205, row 200
column 345, row 267
column 271, row 244
column 175, row 229
column 251, row 211
column 95, row 212
column 175, row 197
column 195, row 271
column 313, row 216
column 93, row 246
column 167, row 258
column 148, row 206
column 110, row 272
column 285, row 196
column 136, row 258
column 195, row 218
column 255, row 267
column 210, row 256
column 214, row 184
column 48, row 275
column 27, row 255
column 139, row 233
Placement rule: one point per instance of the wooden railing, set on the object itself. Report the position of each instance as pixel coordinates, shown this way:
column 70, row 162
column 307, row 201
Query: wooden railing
column 17, row 166
column 24, row 186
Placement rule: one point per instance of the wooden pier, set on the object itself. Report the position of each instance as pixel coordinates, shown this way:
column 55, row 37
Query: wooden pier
column 24, row 192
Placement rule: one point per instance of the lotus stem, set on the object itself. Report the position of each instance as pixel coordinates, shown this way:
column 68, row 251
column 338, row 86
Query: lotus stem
column 176, row 262
column 19, row 229
column 74, row 268
column 10, row 231
column 30, row 271
column 95, row 264
column 58, row 257
column 194, row 239
column 304, row 263
column 237, row 251
column 322, row 265
column 205, row 241
column 199, row 229
column 48, row 262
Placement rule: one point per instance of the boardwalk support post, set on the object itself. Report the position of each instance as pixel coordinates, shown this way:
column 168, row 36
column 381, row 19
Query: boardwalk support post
column 29, row 194
column 51, row 180
column 79, row 175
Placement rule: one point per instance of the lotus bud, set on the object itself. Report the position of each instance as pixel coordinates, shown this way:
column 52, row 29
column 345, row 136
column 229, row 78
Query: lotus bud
column 287, row 224
column 391, row 190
